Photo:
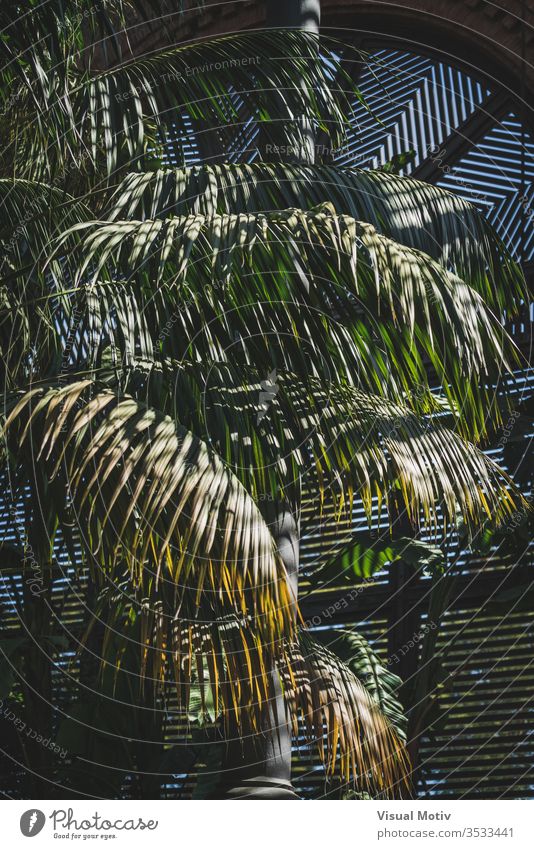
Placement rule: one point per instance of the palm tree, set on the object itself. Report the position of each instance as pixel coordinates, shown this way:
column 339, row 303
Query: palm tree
column 187, row 350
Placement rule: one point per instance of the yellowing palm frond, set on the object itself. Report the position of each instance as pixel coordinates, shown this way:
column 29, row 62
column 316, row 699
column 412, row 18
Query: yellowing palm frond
column 352, row 735
column 152, row 496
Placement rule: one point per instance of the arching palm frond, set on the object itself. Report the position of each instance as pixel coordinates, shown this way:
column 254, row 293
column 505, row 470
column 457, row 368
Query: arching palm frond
column 32, row 217
column 413, row 213
column 44, row 50
column 108, row 120
column 364, row 303
column 352, row 732
column 355, row 444
column 382, row 685
column 366, row 553
column 55, row 29
column 150, row 495
column 224, row 662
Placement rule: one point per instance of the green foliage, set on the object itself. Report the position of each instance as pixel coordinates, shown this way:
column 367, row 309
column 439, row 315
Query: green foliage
column 368, row 554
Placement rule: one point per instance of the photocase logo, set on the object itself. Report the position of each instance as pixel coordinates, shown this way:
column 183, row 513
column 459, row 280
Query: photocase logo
column 32, row 822
column 268, row 393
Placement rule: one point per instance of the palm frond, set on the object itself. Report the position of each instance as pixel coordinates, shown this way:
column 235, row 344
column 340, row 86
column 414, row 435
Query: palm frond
column 44, row 49
column 364, row 303
column 356, row 444
column 346, row 724
column 221, row 667
column 413, row 213
column 32, row 217
column 44, row 41
column 382, row 685
column 109, row 120
column 55, row 27
column 152, row 497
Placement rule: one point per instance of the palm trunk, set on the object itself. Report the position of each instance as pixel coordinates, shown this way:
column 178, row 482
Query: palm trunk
column 301, row 15
column 260, row 767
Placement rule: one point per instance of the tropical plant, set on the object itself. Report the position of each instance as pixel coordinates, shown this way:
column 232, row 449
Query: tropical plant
column 185, row 350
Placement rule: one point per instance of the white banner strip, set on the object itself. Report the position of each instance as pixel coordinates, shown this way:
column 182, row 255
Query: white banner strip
column 362, row 825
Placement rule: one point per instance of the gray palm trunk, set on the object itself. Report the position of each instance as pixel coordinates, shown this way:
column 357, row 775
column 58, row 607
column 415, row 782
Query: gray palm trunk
column 259, row 767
